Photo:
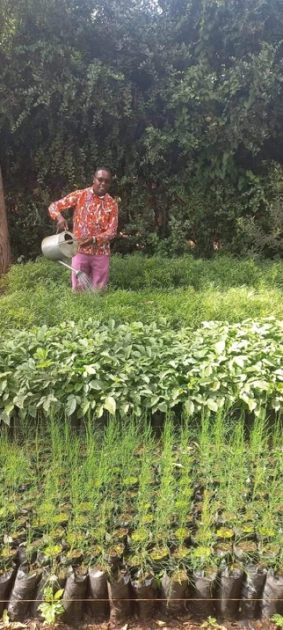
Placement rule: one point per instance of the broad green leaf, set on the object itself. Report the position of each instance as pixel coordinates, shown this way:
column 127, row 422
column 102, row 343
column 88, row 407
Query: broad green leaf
column 110, row 404
column 9, row 408
column 97, row 384
column 71, row 406
column 212, row 404
column 220, row 346
column 190, row 407
column 163, row 407
column 89, row 369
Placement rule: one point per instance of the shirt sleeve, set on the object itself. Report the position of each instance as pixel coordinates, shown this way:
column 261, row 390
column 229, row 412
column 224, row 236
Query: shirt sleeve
column 111, row 230
column 67, row 202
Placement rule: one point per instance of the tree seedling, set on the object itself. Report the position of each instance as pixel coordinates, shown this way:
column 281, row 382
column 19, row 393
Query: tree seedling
column 212, row 624
column 52, row 607
column 11, row 625
column 278, row 620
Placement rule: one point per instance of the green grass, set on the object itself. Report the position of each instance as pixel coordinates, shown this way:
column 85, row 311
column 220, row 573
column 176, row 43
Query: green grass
column 183, row 291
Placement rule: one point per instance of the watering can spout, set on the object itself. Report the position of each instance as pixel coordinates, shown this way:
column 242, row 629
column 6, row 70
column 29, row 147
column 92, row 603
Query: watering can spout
column 59, row 246
column 83, row 278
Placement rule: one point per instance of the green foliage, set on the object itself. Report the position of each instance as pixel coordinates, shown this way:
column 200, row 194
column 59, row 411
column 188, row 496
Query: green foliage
column 278, row 620
column 149, row 504
column 52, row 608
column 184, row 291
column 93, row 367
column 182, row 99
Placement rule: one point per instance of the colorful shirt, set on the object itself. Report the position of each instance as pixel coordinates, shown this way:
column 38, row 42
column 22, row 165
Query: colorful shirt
column 93, row 216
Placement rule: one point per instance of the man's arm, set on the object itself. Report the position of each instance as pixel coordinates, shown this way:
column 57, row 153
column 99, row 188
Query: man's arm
column 112, row 226
column 57, row 207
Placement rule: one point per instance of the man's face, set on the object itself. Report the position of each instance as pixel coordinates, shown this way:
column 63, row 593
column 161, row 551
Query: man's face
column 101, row 183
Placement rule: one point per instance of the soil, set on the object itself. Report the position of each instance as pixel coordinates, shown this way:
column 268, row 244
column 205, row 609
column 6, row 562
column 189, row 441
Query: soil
column 178, row 623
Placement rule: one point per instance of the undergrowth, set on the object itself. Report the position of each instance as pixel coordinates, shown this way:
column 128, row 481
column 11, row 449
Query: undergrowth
column 184, row 291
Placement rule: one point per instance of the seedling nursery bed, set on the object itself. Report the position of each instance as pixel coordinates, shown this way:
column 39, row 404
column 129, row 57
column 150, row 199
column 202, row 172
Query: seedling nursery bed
column 122, row 524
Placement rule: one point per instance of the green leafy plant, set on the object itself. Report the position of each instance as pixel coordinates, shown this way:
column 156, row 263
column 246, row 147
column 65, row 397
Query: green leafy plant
column 52, row 608
column 108, row 369
column 11, row 625
column 278, row 620
column 212, row 623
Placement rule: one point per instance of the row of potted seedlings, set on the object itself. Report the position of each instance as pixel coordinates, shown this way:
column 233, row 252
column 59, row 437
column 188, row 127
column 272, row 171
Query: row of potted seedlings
column 123, row 521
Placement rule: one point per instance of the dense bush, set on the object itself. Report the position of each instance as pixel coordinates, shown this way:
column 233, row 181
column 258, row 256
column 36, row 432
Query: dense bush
column 181, row 98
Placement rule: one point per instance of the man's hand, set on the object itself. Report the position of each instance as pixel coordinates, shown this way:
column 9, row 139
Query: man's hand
column 62, row 223
column 86, row 241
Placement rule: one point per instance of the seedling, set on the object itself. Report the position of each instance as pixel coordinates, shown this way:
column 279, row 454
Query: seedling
column 11, row 625
column 212, row 624
column 278, row 620
column 52, row 608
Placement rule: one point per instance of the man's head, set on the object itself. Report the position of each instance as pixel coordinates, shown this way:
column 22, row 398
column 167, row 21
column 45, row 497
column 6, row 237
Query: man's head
column 101, row 181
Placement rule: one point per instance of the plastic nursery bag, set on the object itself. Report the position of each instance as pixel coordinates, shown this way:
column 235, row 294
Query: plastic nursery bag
column 24, row 589
column 145, row 590
column 174, row 590
column 75, row 589
column 252, row 588
column 273, row 590
column 203, row 587
column 119, row 594
column 6, row 581
column 97, row 590
column 229, row 592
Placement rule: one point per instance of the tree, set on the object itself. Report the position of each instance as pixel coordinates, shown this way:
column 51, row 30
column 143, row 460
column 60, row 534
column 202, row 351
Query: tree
column 182, row 98
column 5, row 251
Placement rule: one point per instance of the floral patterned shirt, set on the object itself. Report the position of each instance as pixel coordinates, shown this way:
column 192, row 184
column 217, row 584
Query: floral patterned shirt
column 93, row 216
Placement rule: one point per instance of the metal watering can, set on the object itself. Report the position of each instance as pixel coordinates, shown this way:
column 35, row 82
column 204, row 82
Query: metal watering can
column 60, row 246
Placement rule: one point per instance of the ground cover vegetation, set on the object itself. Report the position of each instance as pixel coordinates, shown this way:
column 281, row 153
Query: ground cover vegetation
column 184, row 291
column 123, row 515
column 183, row 99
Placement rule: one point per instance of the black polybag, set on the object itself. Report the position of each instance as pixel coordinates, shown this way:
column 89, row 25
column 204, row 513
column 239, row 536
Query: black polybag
column 173, row 590
column 145, row 590
column 252, row 588
column 229, row 592
column 119, row 592
column 203, row 587
column 273, row 590
column 75, row 589
column 6, row 581
column 24, row 589
column 97, row 590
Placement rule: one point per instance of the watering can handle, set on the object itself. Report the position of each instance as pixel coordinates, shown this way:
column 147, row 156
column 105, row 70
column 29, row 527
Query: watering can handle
column 65, row 229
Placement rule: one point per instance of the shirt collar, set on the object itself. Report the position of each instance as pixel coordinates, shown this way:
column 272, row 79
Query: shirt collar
column 97, row 197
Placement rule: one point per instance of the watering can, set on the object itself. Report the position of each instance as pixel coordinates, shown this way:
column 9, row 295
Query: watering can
column 64, row 245
column 60, row 246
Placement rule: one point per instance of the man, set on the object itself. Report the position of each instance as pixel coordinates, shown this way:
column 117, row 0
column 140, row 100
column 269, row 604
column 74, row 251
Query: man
column 95, row 222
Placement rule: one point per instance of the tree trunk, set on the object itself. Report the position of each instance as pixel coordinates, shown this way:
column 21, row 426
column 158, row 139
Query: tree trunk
column 5, row 249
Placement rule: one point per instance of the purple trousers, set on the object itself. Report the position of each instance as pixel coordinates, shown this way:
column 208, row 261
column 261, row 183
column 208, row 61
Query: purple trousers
column 96, row 268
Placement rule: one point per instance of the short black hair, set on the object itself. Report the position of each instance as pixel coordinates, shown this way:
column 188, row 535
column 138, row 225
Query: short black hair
column 103, row 168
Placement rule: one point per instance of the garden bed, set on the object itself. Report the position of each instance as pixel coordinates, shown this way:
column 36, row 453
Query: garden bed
column 133, row 524
column 95, row 368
